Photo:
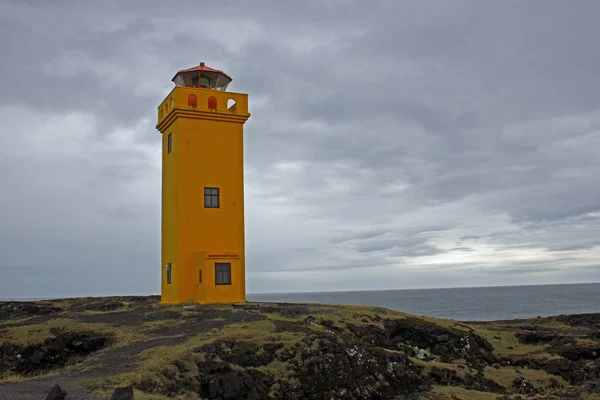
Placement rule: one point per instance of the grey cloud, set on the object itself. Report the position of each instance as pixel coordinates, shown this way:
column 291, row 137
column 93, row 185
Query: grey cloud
column 517, row 271
column 401, row 139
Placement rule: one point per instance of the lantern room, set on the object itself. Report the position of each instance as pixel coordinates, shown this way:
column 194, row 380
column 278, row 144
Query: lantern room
column 202, row 76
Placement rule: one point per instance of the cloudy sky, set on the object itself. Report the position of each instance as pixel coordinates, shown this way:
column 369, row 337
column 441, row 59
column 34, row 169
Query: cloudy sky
column 394, row 144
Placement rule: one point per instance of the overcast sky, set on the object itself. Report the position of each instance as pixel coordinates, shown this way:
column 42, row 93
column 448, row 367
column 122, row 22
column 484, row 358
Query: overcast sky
column 392, row 144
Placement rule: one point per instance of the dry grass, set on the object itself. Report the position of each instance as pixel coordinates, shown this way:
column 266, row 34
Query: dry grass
column 32, row 334
column 15, row 378
column 145, row 396
column 150, row 327
column 139, row 395
column 592, row 396
column 453, row 366
column 505, row 342
column 506, row 375
column 446, row 392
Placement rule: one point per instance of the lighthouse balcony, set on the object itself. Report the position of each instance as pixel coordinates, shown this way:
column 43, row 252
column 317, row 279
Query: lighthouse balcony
column 184, row 98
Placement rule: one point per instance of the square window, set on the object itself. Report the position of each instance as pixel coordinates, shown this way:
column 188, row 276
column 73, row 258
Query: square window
column 169, row 278
column 223, row 273
column 169, row 143
column 211, row 197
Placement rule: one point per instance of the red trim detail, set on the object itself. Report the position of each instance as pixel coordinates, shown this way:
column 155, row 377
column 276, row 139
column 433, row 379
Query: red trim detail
column 199, row 68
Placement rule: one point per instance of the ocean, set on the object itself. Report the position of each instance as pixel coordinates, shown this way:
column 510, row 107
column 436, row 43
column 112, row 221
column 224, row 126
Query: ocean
column 464, row 304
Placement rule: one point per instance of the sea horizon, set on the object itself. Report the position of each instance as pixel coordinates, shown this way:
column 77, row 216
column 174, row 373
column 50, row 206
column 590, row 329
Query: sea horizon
column 305, row 292
column 427, row 288
column 459, row 303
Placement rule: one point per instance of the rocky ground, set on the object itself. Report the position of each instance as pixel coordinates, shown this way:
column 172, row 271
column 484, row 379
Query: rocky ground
column 90, row 346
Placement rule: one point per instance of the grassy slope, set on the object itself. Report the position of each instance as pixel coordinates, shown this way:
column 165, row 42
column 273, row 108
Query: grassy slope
column 149, row 339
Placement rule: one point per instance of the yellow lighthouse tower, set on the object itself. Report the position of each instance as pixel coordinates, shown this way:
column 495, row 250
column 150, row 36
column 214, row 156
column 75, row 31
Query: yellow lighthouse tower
column 202, row 127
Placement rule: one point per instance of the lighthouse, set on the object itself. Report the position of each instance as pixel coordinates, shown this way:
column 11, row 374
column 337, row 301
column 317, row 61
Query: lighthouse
column 202, row 232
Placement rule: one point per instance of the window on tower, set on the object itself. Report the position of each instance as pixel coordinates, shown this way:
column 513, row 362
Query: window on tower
column 222, row 273
column 211, row 197
column 170, row 143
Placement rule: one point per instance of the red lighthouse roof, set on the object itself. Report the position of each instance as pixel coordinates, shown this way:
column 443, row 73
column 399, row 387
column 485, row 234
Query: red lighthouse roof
column 203, row 77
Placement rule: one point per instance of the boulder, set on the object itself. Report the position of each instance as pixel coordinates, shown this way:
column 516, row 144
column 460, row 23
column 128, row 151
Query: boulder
column 123, row 393
column 57, row 393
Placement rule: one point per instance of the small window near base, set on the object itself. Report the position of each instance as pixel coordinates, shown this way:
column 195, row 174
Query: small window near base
column 223, row 273
column 168, row 273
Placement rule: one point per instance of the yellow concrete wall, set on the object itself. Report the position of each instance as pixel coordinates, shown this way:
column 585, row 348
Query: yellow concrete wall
column 208, row 149
column 199, row 260
column 170, row 231
column 225, row 293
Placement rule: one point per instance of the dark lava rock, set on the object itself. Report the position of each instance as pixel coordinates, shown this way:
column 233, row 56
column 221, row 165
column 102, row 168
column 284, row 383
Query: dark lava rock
column 411, row 334
column 591, row 320
column 477, row 381
column 242, row 353
column 445, row 377
column 161, row 315
column 539, row 337
column 576, row 372
column 374, row 335
column 123, row 393
column 288, row 326
column 324, row 368
column 24, row 309
column 448, row 343
column 251, row 384
column 592, row 386
column 331, row 326
column 291, row 310
column 215, row 380
column 108, row 305
column 575, row 353
column 343, row 371
column 52, row 353
column 56, row 393
column 523, row 386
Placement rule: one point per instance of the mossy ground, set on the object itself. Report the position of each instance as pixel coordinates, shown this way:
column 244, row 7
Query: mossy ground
column 154, row 345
